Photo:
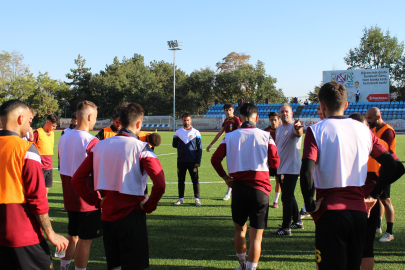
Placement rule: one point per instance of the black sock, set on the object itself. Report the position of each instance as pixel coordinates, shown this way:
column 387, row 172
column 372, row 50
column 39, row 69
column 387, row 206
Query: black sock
column 389, row 227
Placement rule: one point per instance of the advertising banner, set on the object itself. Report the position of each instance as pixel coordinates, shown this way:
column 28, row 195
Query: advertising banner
column 65, row 123
column 370, row 85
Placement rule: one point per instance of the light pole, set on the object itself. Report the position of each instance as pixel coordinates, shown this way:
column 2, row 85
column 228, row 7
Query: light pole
column 174, row 46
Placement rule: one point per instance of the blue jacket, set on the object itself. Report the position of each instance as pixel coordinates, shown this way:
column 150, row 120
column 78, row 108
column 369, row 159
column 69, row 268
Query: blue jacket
column 188, row 144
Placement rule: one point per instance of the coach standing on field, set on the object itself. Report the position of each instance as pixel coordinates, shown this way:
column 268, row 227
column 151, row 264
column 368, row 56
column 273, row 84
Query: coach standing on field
column 334, row 163
column 187, row 140
column 288, row 141
column 249, row 153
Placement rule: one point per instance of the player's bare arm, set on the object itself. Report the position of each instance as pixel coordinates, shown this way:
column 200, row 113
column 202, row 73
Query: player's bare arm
column 57, row 240
column 228, row 180
column 219, row 135
column 298, row 128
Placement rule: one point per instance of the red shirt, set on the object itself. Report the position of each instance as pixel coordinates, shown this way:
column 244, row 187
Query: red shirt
column 18, row 224
column 272, row 132
column 116, row 205
column 257, row 179
column 230, row 124
column 71, row 199
column 345, row 198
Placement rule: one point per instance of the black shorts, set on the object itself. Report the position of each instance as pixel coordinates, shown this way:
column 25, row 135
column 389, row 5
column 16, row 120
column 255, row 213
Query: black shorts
column 24, row 258
column 339, row 239
column 273, row 172
column 386, row 192
column 48, row 178
column 126, row 242
column 87, row 225
column 248, row 202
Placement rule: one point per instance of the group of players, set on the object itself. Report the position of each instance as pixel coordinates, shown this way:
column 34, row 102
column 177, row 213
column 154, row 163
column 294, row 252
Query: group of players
column 110, row 171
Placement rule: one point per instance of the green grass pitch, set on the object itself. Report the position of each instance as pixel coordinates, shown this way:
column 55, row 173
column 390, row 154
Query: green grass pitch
column 189, row 237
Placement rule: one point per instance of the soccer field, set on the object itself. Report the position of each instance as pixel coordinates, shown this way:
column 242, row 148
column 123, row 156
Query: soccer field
column 189, row 237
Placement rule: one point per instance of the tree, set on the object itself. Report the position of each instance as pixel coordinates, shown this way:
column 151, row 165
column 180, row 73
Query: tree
column 232, row 62
column 248, row 82
column 79, row 85
column 313, row 95
column 376, row 50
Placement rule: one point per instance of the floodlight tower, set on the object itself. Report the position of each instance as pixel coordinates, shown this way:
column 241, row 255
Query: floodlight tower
column 174, row 46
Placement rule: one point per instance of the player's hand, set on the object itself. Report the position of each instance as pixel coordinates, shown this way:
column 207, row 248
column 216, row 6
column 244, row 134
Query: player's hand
column 370, row 202
column 297, row 124
column 228, row 180
column 196, row 165
column 209, row 147
column 141, row 204
column 101, row 203
column 31, row 134
column 317, row 205
column 60, row 242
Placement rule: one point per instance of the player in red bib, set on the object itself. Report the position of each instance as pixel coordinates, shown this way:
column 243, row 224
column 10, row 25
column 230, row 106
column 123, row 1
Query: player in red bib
column 340, row 212
column 231, row 123
column 274, row 119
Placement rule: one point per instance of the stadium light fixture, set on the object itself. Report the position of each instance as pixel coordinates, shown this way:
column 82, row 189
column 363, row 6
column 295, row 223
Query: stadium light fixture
column 174, row 46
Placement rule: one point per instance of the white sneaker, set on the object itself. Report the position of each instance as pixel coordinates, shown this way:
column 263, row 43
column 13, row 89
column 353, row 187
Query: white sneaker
column 378, row 230
column 197, row 202
column 180, row 201
column 226, row 197
column 387, row 237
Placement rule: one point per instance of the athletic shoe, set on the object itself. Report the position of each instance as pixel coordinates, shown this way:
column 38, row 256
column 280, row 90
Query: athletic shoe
column 197, row 202
column 179, row 202
column 241, row 267
column 275, row 205
column 226, row 197
column 50, row 219
column 304, row 214
column 297, row 225
column 378, row 230
column 387, row 237
column 282, row 232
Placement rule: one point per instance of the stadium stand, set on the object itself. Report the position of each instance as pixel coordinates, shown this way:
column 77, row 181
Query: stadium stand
column 389, row 110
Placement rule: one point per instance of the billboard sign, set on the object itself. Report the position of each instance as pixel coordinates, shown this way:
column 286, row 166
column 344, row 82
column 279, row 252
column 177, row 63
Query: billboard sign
column 372, row 85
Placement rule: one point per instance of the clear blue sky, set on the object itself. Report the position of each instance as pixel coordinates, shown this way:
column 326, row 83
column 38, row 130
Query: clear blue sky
column 296, row 40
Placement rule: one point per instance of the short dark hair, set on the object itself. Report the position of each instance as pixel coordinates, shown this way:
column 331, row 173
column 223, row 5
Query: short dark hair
column 185, row 115
column 334, row 95
column 116, row 115
column 10, row 105
column 74, row 116
column 356, row 82
column 248, row 109
column 358, row 116
column 130, row 114
column 274, row 114
column 228, row 105
column 154, row 139
column 52, row 118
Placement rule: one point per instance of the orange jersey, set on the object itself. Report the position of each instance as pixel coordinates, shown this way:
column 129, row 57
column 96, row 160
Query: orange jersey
column 142, row 136
column 13, row 149
column 108, row 133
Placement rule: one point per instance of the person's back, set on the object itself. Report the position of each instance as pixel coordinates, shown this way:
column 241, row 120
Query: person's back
column 249, row 151
column 73, row 148
column 119, row 165
column 350, row 143
column 334, row 163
